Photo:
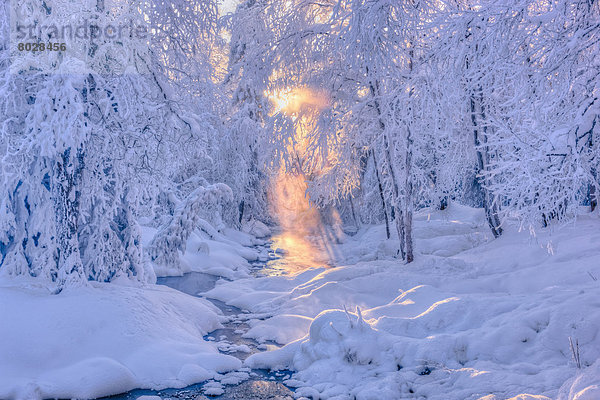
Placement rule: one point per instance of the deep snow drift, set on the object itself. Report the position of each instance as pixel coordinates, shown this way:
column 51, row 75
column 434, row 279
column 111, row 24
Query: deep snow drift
column 103, row 339
column 472, row 318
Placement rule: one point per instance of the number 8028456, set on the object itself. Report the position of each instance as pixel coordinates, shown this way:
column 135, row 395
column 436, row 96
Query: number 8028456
column 35, row 47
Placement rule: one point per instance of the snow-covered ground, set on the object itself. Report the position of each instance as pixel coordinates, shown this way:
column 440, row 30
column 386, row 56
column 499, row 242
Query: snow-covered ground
column 471, row 318
column 103, row 339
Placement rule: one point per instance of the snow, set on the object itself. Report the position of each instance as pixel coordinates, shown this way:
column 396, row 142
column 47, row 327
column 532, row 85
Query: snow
column 471, row 318
column 256, row 228
column 280, row 328
column 487, row 319
column 583, row 386
column 213, row 389
column 348, row 112
column 103, row 339
column 221, row 254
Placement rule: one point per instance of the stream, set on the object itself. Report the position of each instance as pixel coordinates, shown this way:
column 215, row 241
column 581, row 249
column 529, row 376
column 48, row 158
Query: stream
column 254, row 384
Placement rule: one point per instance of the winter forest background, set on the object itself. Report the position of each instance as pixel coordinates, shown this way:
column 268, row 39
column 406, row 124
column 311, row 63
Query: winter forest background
column 298, row 114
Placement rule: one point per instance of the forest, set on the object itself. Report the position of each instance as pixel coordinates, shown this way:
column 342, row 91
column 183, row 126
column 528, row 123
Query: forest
column 379, row 199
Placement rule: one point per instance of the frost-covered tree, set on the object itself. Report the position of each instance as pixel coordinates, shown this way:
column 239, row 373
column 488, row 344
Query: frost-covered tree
column 86, row 152
column 380, row 107
column 471, row 101
column 245, row 145
column 189, row 214
column 531, row 110
column 368, row 57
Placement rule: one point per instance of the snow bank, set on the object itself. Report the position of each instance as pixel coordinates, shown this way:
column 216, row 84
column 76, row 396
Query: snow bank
column 483, row 319
column 585, row 385
column 280, row 328
column 95, row 341
column 256, row 228
column 223, row 254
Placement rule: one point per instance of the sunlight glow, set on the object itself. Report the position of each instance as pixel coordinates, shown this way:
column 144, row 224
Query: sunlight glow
column 298, row 221
column 304, row 235
column 293, row 101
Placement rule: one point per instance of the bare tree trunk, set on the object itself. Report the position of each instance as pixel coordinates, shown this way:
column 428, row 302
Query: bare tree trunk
column 401, row 228
column 593, row 195
column 356, row 221
column 66, row 192
column 241, row 212
column 397, row 209
column 480, row 139
column 408, row 212
column 385, row 213
column 408, row 224
column 408, row 184
column 398, row 212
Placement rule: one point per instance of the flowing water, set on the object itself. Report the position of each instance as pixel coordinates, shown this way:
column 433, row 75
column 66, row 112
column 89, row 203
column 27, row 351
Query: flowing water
column 255, row 384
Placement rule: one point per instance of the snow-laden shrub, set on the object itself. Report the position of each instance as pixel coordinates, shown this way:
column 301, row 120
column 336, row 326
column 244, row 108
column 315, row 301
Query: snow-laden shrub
column 191, row 213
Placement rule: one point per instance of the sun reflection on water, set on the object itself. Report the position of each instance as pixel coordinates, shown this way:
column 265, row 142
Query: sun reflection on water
column 301, row 225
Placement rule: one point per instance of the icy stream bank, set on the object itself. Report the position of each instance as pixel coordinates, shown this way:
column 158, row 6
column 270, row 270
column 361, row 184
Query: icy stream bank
column 246, row 383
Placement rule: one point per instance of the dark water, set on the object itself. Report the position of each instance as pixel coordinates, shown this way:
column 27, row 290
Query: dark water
column 259, row 384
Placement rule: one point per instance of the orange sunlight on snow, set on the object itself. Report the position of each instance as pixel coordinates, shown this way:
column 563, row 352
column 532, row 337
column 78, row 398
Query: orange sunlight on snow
column 298, row 221
column 303, row 231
